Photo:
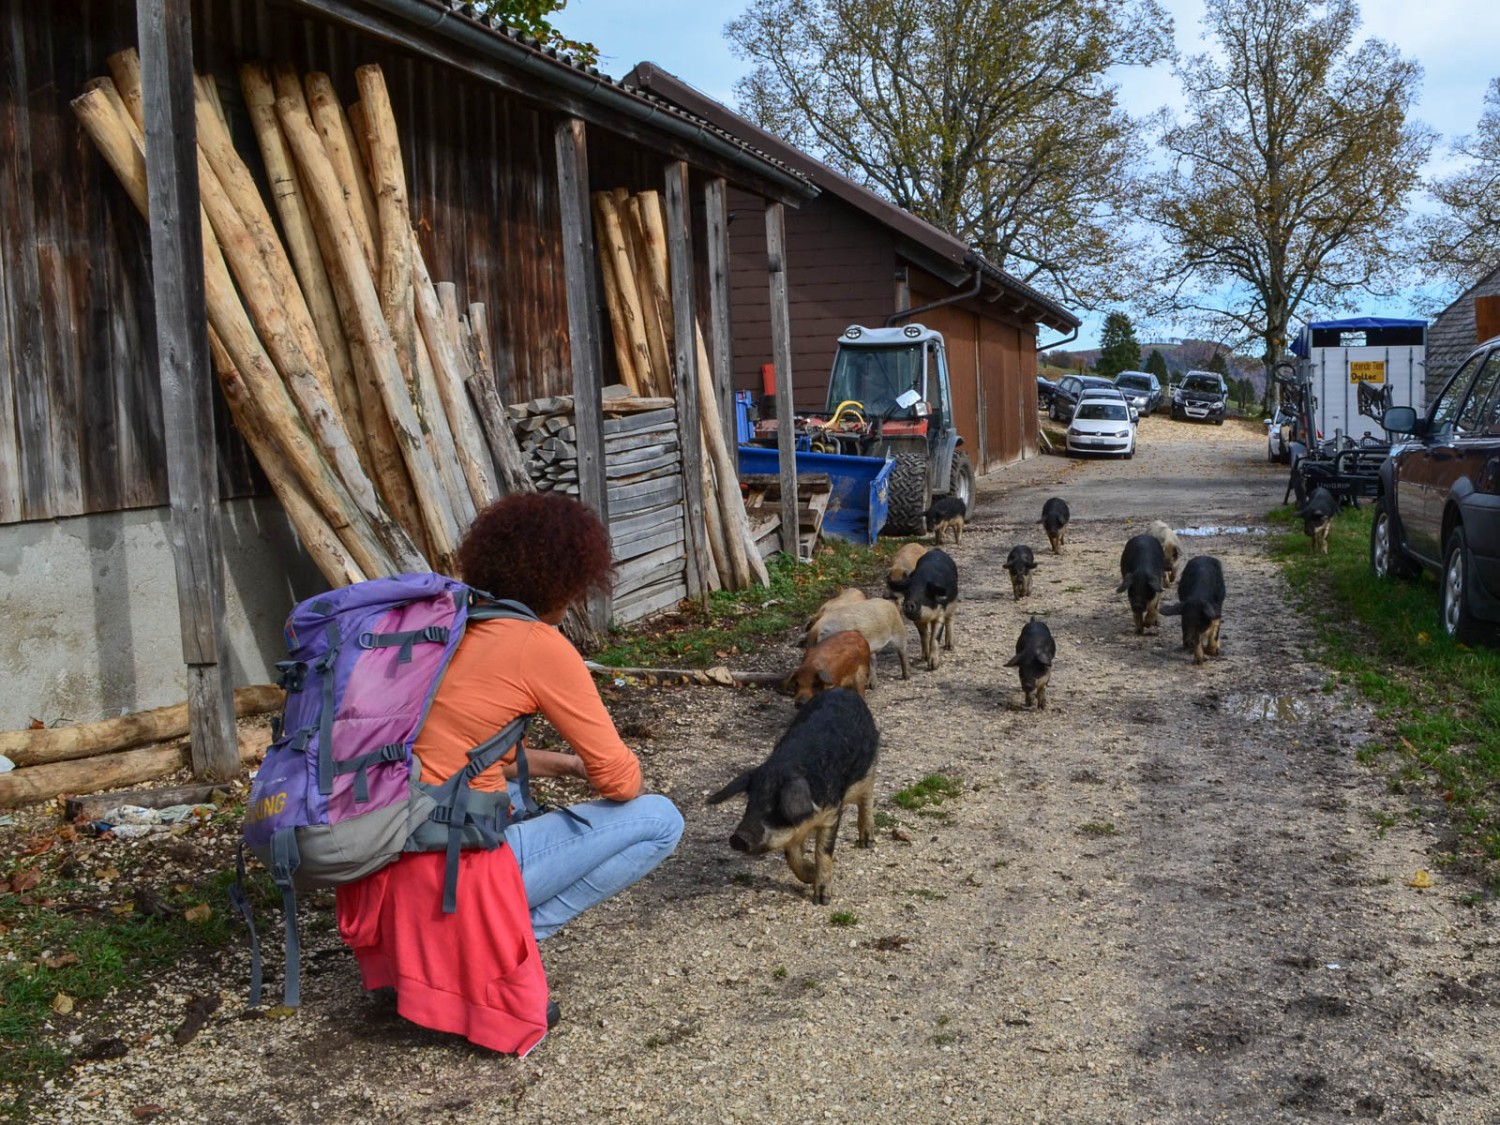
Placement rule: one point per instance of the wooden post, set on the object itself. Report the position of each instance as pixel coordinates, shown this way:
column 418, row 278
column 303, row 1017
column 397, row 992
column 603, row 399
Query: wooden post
column 685, row 373
column 1486, row 318
column 571, row 141
column 716, row 205
column 164, row 28
column 781, row 355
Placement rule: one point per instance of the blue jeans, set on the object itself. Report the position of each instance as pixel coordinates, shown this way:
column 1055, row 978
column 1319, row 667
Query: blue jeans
column 568, row 867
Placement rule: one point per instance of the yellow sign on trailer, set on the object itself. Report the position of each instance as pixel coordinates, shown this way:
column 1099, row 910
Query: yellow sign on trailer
column 1367, row 371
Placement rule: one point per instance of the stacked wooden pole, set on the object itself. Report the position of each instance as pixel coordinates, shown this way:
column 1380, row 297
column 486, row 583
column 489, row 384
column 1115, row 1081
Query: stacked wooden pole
column 328, row 335
column 631, row 235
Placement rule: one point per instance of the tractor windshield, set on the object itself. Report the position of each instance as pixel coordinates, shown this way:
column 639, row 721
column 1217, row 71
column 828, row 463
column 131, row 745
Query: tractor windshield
column 876, row 377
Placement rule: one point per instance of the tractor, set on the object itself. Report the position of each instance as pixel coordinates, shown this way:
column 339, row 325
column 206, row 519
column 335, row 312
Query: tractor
column 889, row 396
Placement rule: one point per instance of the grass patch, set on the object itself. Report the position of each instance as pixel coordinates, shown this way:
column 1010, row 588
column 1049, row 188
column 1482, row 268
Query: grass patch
column 736, row 621
column 1440, row 699
column 930, row 792
column 843, row 918
column 1098, row 828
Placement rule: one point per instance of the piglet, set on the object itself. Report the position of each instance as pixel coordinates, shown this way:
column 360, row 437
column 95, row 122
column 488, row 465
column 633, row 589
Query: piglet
column 824, row 761
column 878, row 620
column 1200, row 605
column 1317, row 516
column 928, row 597
column 843, row 661
column 1054, row 521
column 1020, row 562
column 946, row 514
column 1035, row 651
column 1142, row 564
column 904, row 563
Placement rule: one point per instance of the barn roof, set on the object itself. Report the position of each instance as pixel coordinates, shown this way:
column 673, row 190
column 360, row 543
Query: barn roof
column 938, row 244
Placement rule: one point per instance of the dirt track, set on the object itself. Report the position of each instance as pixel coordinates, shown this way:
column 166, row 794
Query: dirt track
column 1164, row 900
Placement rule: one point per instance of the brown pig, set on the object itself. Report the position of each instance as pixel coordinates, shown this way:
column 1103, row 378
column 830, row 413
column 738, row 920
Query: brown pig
column 842, row 660
column 903, row 564
column 846, row 596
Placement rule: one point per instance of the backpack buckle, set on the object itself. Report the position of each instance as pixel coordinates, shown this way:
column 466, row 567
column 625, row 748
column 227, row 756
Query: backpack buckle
column 293, row 675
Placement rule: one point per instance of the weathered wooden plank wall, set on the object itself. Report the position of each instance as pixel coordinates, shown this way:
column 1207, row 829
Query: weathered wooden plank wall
column 80, row 413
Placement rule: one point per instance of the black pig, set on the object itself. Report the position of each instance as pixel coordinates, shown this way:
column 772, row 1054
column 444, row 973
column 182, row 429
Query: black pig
column 1054, row 520
column 947, row 513
column 1035, row 651
column 928, row 595
column 1020, row 562
column 824, row 761
column 1200, row 604
column 1142, row 564
column 1317, row 515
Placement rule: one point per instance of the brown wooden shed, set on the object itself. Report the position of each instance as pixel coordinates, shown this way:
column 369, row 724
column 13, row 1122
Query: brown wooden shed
column 855, row 258
column 502, row 139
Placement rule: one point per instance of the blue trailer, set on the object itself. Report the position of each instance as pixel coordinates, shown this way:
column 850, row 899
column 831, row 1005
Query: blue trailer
column 860, row 501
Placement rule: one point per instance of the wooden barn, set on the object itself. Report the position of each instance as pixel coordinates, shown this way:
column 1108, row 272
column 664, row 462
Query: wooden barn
column 855, row 258
column 145, row 559
column 1472, row 318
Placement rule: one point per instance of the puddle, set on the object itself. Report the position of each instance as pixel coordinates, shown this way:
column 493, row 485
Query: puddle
column 1263, row 708
column 1214, row 529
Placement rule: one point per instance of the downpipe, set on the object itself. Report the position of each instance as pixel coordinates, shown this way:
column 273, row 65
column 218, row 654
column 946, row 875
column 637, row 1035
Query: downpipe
column 976, row 282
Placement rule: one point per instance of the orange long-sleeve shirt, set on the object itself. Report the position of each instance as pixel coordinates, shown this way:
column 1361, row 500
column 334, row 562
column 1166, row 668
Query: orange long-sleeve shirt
column 503, row 669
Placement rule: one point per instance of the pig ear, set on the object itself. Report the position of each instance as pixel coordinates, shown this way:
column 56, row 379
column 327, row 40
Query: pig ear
column 796, row 800
column 1123, row 586
column 738, row 785
column 1171, row 610
column 1013, row 662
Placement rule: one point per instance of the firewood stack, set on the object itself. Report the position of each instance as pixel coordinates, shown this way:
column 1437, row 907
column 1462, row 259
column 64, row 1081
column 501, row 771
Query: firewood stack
column 631, row 234
column 344, row 366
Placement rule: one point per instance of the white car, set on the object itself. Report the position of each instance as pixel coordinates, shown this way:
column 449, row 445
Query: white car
column 1102, row 424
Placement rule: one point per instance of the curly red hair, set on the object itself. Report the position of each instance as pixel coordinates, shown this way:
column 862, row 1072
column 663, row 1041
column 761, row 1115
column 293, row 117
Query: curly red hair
column 542, row 549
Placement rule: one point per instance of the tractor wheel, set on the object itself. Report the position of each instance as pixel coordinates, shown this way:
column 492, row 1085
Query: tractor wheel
column 910, row 495
column 961, row 482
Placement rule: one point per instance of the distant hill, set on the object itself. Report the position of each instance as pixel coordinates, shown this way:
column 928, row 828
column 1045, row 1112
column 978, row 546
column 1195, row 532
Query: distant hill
column 1184, row 355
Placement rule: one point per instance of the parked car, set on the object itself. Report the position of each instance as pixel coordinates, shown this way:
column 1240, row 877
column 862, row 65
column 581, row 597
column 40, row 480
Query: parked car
column 1438, row 504
column 1070, row 388
column 1203, row 396
column 1102, row 424
column 1045, row 389
column 1141, row 389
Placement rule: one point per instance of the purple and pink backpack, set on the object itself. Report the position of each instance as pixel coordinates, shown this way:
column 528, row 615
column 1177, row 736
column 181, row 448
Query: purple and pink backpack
column 339, row 795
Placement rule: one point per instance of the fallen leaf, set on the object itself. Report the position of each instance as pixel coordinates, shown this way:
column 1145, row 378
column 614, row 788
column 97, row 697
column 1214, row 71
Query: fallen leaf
column 25, row 879
column 720, row 675
column 1424, row 638
column 60, row 961
column 197, row 914
column 123, row 909
column 109, row 874
column 62, row 1004
column 36, row 724
column 1421, row 880
column 38, row 844
column 181, row 888
column 147, row 1112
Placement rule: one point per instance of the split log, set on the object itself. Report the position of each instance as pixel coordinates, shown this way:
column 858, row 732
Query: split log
column 62, row 744
column 619, row 333
column 745, row 560
column 162, row 797
column 449, row 372
column 110, row 771
column 718, row 675
column 109, row 126
column 612, row 242
column 322, row 102
column 656, row 304
column 373, row 350
column 302, row 247
column 440, row 439
column 503, row 448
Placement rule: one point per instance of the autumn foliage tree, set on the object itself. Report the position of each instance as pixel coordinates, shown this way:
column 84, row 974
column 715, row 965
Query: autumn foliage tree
column 1461, row 241
column 1291, row 168
column 992, row 119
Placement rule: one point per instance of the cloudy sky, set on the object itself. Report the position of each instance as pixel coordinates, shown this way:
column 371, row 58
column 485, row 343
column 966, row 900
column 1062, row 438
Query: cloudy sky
column 1454, row 40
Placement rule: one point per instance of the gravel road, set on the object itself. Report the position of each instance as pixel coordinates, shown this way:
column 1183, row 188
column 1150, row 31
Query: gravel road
column 1168, row 898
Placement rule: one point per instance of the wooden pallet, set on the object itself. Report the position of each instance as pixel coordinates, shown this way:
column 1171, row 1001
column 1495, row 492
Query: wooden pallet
column 763, row 503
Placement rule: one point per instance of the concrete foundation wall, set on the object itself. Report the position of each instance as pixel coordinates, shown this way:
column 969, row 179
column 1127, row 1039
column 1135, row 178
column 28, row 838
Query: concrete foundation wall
column 90, row 625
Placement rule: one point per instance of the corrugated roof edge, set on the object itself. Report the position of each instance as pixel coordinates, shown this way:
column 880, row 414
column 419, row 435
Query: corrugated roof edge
column 650, row 76
column 514, row 38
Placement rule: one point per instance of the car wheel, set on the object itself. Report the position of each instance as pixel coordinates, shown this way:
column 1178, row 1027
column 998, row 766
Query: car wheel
column 1052, row 411
column 1218, row 421
column 1457, row 621
column 961, row 482
column 1387, row 559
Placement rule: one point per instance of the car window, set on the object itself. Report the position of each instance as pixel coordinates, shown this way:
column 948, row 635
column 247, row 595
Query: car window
column 1201, row 383
column 1445, row 409
column 1133, row 383
column 1475, row 417
column 1098, row 410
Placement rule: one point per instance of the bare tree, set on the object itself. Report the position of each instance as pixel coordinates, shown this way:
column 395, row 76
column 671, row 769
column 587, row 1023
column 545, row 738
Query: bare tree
column 992, row 119
column 1461, row 242
column 1291, row 170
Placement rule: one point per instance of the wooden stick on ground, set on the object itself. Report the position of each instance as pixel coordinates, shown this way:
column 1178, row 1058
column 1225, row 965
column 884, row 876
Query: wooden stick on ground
column 720, row 675
column 62, row 744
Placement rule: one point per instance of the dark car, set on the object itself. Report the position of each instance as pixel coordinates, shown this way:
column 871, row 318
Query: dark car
column 1201, row 396
column 1141, row 389
column 1045, row 389
column 1070, row 388
column 1438, row 506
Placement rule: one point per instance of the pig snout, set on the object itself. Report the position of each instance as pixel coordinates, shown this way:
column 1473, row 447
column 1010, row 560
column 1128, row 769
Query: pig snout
column 748, row 838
